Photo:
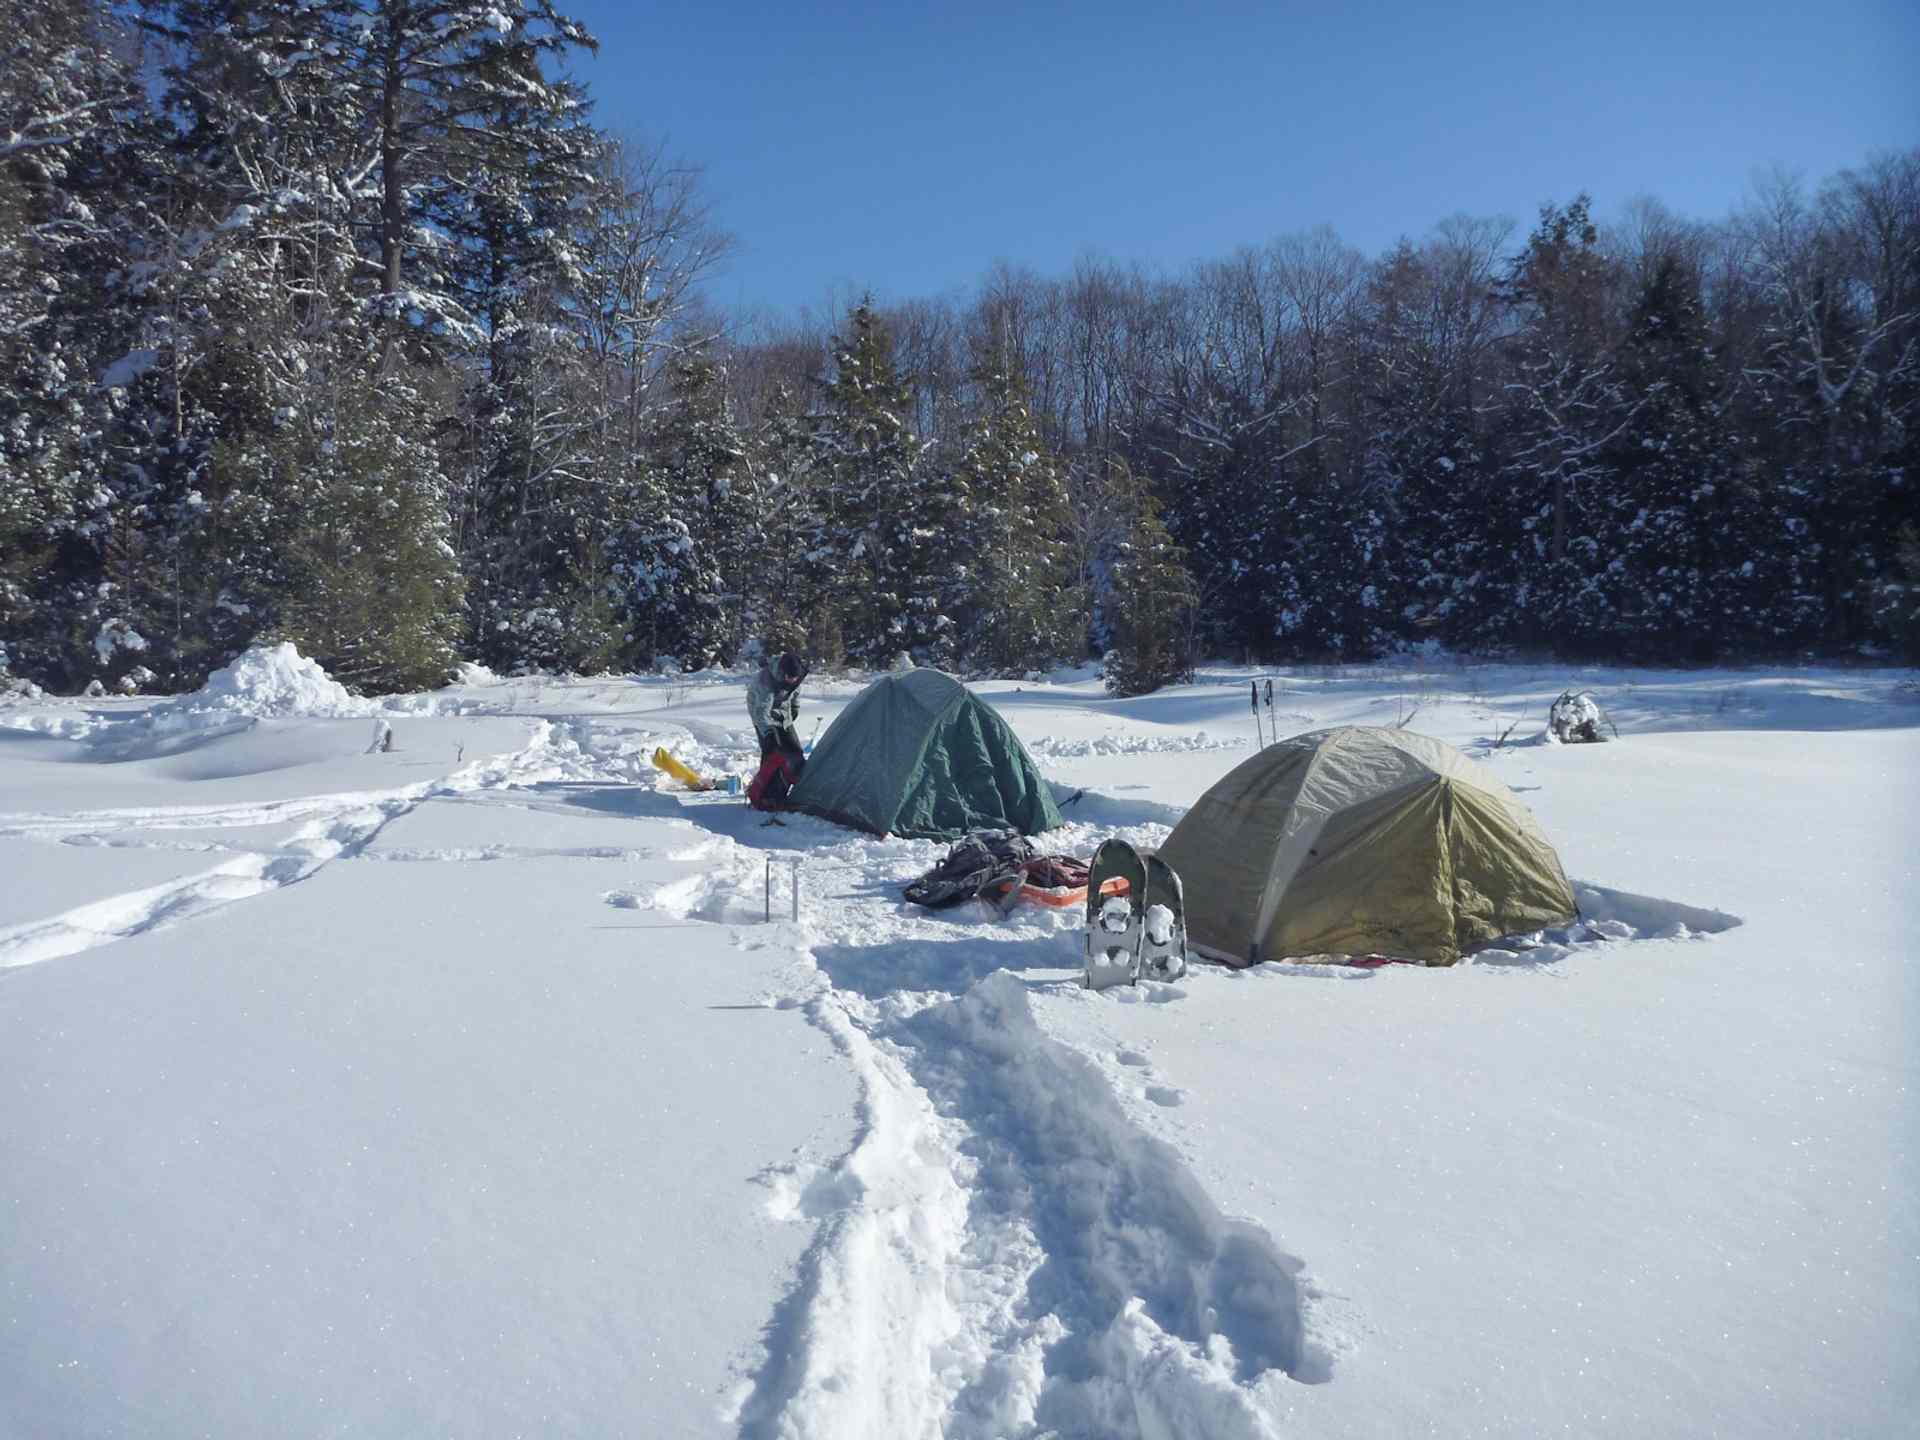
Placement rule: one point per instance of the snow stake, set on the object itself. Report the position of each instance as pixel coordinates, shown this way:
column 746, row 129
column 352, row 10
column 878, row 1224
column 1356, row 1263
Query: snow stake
column 1273, row 723
column 794, row 898
column 1254, row 686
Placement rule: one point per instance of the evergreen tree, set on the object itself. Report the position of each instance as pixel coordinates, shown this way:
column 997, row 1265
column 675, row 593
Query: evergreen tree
column 880, row 507
column 708, row 534
column 1008, row 565
column 1566, row 406
column 71, row 123
column 1697, row 568
column 1450, row 578
column 1897, row 603
column 443, row 104
column 1152, row 602
column 1226, row 507
column 1840, row 377
column 1667, row 468
column 788, row 562
column 374, row 588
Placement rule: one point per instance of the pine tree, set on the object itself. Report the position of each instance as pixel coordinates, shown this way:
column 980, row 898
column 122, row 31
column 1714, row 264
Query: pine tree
column 709, row 493
column 1007, row 563
column 374, row 588
column 1670, row 491
column 879, row 506
column 1152, row 602
column 72, row 116
column 1566, row 406
column 788, row 562
column 444, row 103
column 1897, row 602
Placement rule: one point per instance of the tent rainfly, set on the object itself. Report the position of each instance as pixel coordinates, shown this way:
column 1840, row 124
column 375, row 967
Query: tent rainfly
column 1362, row 841
column 918, row 754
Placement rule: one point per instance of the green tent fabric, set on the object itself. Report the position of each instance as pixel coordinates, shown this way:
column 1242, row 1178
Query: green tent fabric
column 919, row 754
column 1361, row 841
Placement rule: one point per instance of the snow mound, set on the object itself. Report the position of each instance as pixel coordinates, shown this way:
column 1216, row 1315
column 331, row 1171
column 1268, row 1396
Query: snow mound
column 268, row 682
column 272, row 682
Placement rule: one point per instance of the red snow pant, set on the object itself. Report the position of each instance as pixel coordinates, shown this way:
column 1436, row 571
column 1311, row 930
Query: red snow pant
column 780, row 767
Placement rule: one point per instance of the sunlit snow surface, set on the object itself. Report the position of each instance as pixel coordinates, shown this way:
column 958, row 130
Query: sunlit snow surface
column 465, row 1086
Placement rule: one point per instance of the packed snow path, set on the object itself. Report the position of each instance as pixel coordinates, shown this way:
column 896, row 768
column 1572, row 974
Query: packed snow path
column 1003, row 1252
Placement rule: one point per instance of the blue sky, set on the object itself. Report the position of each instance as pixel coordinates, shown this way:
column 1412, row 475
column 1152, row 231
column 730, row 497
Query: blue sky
column 904, row 148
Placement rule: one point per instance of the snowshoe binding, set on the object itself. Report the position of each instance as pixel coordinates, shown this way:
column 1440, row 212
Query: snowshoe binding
column 1116, row 918
column 1163, row 947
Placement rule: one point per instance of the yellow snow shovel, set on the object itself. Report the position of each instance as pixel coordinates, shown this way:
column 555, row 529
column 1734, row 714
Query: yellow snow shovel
column 679, row 771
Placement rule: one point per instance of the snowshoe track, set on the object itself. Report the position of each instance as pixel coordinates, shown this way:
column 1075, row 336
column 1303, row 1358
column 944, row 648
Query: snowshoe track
column 1003, row 1252
column 337, row 827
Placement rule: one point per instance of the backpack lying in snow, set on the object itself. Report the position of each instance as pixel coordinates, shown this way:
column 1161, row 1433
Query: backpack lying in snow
column 1001, row 867
column 1577, row 719
column 977, row 860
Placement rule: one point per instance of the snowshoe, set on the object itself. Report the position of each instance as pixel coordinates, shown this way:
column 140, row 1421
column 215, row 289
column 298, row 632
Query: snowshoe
column 1116, row 918
column 1163, row 946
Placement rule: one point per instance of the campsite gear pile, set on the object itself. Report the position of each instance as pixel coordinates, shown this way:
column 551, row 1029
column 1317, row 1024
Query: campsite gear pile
column 917, row 754
column 1136, row 906
column 1363, row 841
column 1576, row 719
column 1003, row 868
column 1136, row 918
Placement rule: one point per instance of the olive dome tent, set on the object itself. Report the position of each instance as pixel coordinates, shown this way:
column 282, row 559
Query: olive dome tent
column 1362, row 841
column 918, row 754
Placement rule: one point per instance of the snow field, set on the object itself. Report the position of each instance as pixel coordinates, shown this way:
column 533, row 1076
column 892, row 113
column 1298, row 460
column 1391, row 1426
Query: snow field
column 486, row 1101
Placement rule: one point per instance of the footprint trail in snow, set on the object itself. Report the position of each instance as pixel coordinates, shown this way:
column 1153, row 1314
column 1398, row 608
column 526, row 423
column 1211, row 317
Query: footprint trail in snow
column 1003, row 1252
column 333, row 827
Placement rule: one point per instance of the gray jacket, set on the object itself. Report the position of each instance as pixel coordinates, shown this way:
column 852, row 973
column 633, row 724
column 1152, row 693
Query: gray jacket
column 768, row 706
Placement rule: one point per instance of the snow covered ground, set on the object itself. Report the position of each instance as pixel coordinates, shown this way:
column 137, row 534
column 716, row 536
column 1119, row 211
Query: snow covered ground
column 464, row 1086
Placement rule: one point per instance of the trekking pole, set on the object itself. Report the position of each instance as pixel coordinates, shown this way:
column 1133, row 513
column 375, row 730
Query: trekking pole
column 769, row 913
column 1254, row 685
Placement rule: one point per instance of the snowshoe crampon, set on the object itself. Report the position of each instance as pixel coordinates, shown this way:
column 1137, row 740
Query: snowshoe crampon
column 1163, row 945
column 1116, row 915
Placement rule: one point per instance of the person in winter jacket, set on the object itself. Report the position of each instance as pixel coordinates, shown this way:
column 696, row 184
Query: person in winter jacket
column 773, row 704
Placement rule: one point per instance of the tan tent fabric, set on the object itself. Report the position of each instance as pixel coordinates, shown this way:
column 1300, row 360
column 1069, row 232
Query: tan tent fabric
column 1361, row 841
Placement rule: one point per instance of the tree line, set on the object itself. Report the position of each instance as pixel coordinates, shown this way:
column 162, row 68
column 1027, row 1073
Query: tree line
column 341, row 321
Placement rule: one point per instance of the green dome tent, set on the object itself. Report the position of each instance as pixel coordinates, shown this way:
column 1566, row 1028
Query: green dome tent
column 919, row 754
column 1361, row 841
